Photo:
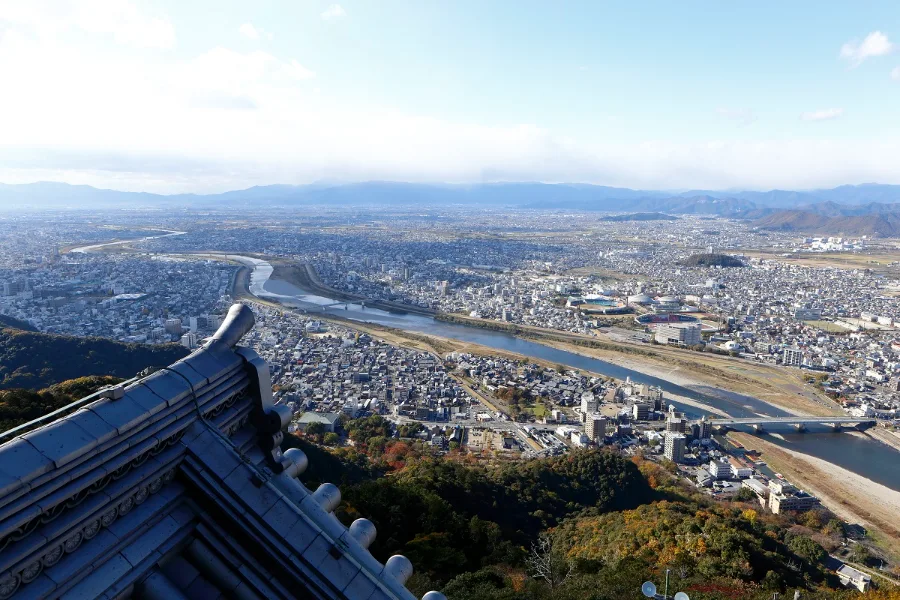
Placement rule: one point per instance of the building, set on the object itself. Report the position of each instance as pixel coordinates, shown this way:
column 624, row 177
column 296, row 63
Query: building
column 705, row 429
column 328, row 420
column 808, row 314
column 654, row 395
column 595, row 427
column 784, row 496
column 793, row 357
column 640, row 411
column 719, row 469
column 738, row 469
column 167, row 487
column 173, row 326
column 675, row 424
column 757, row 487
column 189, row 340
column 588, row 403
column 851, row 577
column 679, row 334
column 674, row 447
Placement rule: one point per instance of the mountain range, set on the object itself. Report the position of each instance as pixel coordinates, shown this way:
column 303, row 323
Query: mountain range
column 877, row 205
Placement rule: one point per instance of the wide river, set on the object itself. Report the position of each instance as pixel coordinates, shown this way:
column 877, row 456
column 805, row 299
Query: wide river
column 863, row 455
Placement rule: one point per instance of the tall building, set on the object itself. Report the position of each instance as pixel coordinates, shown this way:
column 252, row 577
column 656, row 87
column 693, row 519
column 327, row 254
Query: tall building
column 705, row 429
column 675, row 445
column 640, row 411
column 595, row 427
column 793, row 357
column 173, row 326
column 679, row 334
column 189, row 340
column 588, row 403
column 675, row 424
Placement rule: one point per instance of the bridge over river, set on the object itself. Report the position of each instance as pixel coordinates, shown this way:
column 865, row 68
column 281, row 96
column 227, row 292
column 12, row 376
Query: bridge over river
column 800, row 423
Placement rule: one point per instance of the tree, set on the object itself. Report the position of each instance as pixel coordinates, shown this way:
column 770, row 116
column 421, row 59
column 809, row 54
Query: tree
column 745, row 495
column 314, row 430
column 807, row 548
column 860, row 554
column 331, row 439
column 773, row 581
column 548, row 562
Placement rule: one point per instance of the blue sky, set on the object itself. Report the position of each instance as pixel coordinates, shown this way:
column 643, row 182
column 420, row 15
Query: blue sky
column 211, row 95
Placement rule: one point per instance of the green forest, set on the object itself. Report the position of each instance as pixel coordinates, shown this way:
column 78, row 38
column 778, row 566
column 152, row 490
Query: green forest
column 590, row 525
column 32, row 360
column 18, row 406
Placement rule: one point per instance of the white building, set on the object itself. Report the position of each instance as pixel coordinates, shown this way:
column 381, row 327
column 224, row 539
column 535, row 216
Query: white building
column 793, row 357
column 719, row 469
column 588, row 403
column 189, row 340
column 680, row 334
column 675, row 445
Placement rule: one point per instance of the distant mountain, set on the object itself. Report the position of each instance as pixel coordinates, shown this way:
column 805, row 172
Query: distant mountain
column 653, row 216
column 36, row 360
column 561, row 196
column 886, row 224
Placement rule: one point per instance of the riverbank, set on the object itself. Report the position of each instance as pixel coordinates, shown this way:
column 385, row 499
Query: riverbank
column 851, row 497
column 724, row 377
column 304, row 276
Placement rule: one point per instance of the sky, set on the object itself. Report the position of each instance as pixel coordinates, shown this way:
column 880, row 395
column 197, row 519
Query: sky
column 205, row 96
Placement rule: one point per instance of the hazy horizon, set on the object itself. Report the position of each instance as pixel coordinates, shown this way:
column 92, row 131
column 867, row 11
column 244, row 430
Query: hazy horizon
column 334, row 183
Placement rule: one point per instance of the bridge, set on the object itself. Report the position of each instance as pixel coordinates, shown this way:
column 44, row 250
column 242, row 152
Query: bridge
column 800, row 423
column 175, row 485
column 323, row 307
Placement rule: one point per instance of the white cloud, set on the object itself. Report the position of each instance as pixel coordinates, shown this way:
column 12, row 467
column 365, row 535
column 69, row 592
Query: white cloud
column 875, row 44
column 826, row 114
column 335, row 11
column 226, row 119
column 744, row 116
column 895, row 74
column 249, row 31
column 122, row 19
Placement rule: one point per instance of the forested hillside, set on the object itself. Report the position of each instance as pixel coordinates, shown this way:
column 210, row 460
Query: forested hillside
column 591, row 525
column 14, row 323
column 19, row 406
column 34, row 360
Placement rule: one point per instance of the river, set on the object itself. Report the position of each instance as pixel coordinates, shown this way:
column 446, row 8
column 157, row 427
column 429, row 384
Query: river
column 92, row 248
column 861, row 454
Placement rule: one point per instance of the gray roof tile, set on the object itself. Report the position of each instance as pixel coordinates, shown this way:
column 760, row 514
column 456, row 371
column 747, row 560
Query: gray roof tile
column 168, row 385
column 61, row 441
column 20, row 460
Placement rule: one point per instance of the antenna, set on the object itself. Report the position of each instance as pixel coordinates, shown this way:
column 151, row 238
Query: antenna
column 649, row 589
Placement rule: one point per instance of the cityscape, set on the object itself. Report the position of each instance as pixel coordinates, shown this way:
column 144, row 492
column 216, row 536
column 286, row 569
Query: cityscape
column 341, row 300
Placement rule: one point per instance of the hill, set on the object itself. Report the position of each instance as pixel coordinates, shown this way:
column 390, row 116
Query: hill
column 14, row 323
column 654, row 216
column 35, row 360
column 880, row 224
column 19, row 406
column 595, row 522
column 711, row 260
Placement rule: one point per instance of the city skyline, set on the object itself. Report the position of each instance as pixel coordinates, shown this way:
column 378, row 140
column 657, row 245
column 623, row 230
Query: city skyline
column 160, row 97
